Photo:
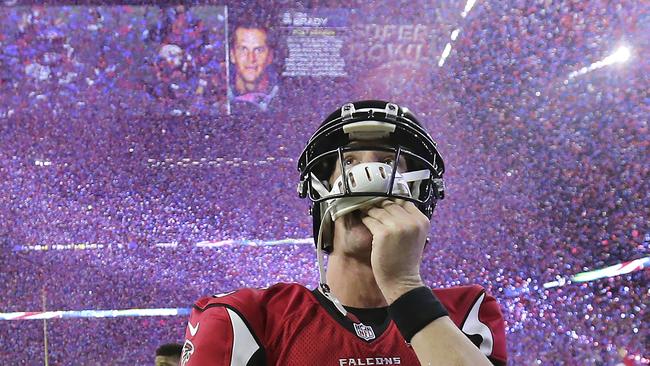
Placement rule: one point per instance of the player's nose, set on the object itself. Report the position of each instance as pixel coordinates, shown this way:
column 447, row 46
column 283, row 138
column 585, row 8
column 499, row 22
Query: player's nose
column 371, row 157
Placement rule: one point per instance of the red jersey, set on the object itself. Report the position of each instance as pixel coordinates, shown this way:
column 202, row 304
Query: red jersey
column 287, row 324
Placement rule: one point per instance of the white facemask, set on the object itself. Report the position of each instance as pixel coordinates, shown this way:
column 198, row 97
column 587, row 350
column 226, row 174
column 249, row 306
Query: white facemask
column 367, row 177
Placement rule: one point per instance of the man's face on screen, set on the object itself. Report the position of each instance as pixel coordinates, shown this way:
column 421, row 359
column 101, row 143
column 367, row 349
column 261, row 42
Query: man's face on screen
column 250, row 54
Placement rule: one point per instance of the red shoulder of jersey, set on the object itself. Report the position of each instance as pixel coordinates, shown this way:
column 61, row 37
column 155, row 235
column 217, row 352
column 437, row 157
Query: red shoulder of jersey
column 479, row 316
column 255, row 304
column 231, row 329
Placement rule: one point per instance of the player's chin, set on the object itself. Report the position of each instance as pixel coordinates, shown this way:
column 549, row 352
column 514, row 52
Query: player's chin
column 251, row 77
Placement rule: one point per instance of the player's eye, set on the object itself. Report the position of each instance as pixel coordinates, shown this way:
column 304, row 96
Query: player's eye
column 389, row 161
column 348, row 161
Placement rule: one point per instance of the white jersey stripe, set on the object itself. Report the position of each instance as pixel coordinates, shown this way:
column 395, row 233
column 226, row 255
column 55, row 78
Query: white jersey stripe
column 474, row 326
column 244, row 344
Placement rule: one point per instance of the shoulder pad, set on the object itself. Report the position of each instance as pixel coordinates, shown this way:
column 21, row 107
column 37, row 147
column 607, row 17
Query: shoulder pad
column 479, row 316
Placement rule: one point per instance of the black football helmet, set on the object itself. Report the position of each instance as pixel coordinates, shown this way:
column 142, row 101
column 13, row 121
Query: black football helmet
column 371, row 125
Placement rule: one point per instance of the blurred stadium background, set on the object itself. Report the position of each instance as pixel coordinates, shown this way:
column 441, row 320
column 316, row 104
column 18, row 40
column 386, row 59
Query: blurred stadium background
column 131, row 184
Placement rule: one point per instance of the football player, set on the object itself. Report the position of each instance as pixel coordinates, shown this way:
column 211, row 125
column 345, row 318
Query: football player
column 373, row 175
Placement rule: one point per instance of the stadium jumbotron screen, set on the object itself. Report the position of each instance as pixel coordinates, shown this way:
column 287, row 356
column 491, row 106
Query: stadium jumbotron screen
column 148, row 158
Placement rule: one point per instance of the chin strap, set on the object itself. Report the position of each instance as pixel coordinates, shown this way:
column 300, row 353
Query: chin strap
column 322, row 286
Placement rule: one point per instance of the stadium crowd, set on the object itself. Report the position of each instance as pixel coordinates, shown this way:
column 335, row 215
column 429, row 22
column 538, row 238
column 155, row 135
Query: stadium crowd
column 547, row 176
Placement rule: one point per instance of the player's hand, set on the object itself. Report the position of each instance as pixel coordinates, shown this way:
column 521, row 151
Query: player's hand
column 399, row 232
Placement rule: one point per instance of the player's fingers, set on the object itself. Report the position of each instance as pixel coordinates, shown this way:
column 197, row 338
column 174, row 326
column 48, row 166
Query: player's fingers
column 405, row 203
column 409, row 206
column 393, row 207
column 389, row 205
column 391, row 216
column 375, row 226
column 380, row 214
column 413, row 211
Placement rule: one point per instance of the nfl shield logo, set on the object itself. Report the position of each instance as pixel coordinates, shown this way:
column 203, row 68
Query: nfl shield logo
column 364, row 332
